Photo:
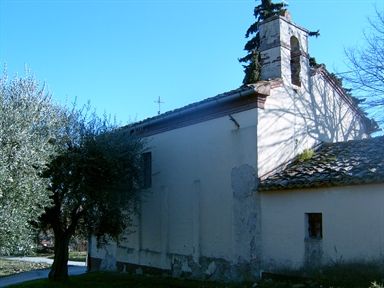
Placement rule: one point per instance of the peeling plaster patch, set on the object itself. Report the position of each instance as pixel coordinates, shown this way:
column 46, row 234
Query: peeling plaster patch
column 313, row 252
column 180, row 265
column 185, row 267
column 108, row 263
column 207, row 269
column 243, row 181
column 211, row 268
column 252, row 222
column 246, row 211
column 241, row 260
column 253, row 245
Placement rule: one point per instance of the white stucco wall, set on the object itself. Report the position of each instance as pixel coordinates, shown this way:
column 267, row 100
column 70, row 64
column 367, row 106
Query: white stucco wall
column 202, row 175
column 276, row 134
column 353, row 225
column 330, row 118
column 202, row 204
column 295, row 119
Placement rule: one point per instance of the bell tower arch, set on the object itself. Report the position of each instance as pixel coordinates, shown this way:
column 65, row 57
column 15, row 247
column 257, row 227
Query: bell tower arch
column 295, row 61
column 284, row 51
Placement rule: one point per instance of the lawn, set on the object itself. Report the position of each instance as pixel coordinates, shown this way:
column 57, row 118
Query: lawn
column 100, row 279
column 8, row 267
column 79, row 256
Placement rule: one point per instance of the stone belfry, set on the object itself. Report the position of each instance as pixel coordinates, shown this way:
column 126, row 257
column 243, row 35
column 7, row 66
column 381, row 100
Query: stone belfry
column 284, row 51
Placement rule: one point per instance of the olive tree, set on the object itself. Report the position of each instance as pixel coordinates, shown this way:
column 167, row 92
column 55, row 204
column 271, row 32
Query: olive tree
column 95, row 184
column 29, row 120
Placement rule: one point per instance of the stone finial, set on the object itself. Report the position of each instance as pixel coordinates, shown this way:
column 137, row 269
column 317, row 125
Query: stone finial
column 286, row 14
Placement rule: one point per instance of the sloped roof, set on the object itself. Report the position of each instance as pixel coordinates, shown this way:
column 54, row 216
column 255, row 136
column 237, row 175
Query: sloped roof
column 183, row 116
column 333, row 164
column 261, row 87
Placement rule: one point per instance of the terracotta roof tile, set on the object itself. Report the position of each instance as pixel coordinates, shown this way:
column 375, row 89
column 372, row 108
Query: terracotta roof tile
column 333, row 164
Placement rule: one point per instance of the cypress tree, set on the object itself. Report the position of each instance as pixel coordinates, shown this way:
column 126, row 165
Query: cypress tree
column 252, row 66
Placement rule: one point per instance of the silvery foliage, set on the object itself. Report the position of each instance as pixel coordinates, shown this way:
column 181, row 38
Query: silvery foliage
column 30, row 122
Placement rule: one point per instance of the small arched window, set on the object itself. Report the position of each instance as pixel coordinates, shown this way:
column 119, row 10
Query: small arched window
column 295, row 61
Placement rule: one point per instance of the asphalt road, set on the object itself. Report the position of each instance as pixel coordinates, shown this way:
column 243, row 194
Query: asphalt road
column 74, row 268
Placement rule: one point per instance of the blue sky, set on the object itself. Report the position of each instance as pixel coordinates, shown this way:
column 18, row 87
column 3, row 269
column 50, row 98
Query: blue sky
column 123, row 55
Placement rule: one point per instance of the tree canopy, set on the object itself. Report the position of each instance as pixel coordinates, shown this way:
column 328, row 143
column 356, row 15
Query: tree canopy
column 252, row 61
column 29, row 120
column 64, row 170
column 252, row 66
column 95, row 183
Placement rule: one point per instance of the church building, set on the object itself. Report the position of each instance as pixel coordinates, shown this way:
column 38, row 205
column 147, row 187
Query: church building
column 203, row 218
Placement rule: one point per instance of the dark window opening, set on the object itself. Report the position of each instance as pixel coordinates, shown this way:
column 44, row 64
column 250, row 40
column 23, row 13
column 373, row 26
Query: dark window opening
column 147, row 170
column 315, row 225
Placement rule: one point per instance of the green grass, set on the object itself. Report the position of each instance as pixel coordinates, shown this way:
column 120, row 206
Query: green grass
column 98, row 279
column 338, row 275
column 78, row 256
column 343, row 274
column 10, row 267
column 306, row 155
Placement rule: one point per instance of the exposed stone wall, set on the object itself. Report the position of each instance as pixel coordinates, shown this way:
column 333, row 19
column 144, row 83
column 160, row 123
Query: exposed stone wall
column 184, row 267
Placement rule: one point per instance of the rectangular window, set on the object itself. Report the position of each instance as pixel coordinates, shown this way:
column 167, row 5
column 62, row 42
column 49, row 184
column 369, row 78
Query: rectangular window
column 147, row 170
column 314, row 225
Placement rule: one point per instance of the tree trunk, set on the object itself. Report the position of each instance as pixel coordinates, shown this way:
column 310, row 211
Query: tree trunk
column 59, row 270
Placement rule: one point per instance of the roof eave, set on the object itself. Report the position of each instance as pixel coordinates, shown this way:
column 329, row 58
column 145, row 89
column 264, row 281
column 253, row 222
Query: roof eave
column 261, row 88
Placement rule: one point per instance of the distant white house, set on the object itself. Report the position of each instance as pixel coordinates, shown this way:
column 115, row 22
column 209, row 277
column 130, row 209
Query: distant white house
column 204, row 216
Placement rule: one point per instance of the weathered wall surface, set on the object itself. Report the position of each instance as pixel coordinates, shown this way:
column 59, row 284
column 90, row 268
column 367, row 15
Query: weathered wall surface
column 201, row 218
column 297, row 117
column 275, row 46
column 327, row 115
column 352, row 219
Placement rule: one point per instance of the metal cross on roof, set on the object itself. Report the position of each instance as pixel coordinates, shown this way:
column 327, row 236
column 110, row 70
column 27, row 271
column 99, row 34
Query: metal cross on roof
column 158, row 102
